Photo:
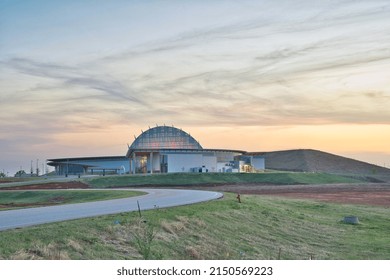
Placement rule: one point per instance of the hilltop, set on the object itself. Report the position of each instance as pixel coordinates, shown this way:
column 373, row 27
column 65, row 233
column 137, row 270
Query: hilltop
column 307, row 160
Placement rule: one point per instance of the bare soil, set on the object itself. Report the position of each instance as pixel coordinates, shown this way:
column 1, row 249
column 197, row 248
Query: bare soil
column 365, row 194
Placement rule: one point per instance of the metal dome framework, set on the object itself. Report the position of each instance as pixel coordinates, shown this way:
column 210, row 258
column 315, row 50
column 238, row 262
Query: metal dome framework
column 164, row 137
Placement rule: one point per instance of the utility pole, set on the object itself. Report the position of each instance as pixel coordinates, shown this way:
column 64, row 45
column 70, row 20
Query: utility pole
column 37, row 168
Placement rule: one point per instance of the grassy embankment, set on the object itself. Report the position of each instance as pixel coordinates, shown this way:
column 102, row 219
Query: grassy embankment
column 180, row 179
column 20, row 199
column 261, row 227
column 258, row 228
column 17, row 179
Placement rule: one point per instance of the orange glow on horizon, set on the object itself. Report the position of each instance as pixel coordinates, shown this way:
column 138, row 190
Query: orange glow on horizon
column 349, row 140
column 336, row 138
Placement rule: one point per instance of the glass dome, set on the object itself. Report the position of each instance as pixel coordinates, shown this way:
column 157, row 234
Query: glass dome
column 165, row 137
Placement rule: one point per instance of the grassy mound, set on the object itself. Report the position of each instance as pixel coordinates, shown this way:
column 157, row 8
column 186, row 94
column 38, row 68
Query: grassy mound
column 183, row 179
column 307, row 160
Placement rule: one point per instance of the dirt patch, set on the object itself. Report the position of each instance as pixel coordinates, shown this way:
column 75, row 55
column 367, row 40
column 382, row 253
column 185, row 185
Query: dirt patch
column 50, row 186
column 365, row 194
column 366, row 198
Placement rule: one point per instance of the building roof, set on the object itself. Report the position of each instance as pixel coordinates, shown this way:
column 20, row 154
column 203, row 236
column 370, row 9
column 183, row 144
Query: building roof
column 164, row 137
column 88, row 158
column 80, row 160
column 146, row 151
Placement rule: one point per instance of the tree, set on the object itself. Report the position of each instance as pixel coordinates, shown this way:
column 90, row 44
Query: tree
column 20, row 173
column 2, row 175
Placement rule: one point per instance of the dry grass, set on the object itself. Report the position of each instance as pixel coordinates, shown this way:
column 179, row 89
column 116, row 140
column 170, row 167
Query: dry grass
column 258, row 228
column 193, row 253
column 41, row 252
column 75, row 245
column 121, row 237
column 175, row 227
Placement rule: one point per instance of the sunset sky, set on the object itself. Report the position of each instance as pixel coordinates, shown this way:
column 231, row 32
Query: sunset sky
column 81, row 78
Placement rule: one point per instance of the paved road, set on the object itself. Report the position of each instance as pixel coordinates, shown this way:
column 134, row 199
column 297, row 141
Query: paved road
column 155, row 198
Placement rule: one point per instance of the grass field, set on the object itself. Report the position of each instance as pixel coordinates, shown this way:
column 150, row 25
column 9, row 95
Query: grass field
column 18, row 199
column 258, row 228
column 17, row 179
column 180, row 179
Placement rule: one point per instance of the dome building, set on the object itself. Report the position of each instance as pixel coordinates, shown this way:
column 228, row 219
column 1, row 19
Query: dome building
column 161, row 149
column 165, row 137
column 166, row 149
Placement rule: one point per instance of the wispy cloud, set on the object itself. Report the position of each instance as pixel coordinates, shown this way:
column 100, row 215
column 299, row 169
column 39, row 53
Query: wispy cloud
column 262, row 69
column 68, row 77
column 279, row 63
column 260, row 64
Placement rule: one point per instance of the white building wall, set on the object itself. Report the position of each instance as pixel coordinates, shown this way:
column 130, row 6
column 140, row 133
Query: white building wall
column 258, row 162
column 210, row 163
column 184, row 162
column 189, row 162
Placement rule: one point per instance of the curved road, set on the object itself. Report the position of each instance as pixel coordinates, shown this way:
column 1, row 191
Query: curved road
column 160, row 198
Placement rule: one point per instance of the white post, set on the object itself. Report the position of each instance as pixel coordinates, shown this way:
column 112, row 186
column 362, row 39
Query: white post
column 133, row 165
column 151, row 162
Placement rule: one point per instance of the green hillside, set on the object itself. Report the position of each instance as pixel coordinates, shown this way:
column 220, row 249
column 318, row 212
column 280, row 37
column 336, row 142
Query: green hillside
column 190, row 179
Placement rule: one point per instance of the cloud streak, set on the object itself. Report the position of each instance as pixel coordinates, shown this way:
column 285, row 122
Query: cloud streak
column 66, row 76
column 243, row 62
column 268, row 64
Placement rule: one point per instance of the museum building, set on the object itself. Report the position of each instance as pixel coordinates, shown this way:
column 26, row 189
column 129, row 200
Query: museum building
column 163, row 149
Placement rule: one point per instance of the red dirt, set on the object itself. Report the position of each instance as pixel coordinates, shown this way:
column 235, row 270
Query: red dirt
column 372, row 198
column 364, row 194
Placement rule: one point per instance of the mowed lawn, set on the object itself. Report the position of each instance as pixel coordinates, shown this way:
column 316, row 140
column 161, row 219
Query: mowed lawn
column 29, row 198
column 188, row 179
column 261, row 227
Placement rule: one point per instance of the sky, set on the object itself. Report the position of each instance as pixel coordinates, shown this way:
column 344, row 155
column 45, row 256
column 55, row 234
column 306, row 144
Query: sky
column 83, row 78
